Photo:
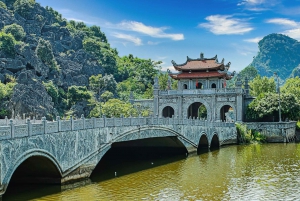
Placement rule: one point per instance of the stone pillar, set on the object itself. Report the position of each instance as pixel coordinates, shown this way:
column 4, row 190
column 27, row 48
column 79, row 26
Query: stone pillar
column 44, row 122
column 12, row 128
column 156, row 97
column 29, row 127
column 58, row 123
column 131, row 98
column 72, row 122
column 83, row 121
column 179, row 107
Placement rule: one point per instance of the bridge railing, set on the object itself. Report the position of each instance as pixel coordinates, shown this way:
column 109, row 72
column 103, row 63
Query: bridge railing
column 13, row 130
column 200, row 91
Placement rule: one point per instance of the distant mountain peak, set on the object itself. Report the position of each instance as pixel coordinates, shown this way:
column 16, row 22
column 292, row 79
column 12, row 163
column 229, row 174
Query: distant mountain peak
column 277, row 53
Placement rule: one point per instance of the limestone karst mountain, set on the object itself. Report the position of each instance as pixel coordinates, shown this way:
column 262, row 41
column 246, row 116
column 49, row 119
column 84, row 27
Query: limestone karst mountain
column 278, row 53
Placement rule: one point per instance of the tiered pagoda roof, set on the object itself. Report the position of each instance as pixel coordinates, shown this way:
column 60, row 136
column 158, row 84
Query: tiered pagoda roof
column 201, row 68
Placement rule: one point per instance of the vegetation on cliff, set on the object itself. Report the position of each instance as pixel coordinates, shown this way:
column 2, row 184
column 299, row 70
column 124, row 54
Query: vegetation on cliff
column 72, row 65
column 277, row 53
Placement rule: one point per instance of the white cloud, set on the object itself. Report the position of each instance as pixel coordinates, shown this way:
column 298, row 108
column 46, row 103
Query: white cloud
column 135, row 40
column 253, row 40
column 226, row 24
column 152, row 43
column 283, row 21
column 155, row 32
column 251, row 2
column 258, row 5
column 293, row 33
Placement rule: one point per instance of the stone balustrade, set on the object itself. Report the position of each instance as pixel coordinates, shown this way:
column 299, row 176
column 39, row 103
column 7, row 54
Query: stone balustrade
column 201, row 91
column 13, row 130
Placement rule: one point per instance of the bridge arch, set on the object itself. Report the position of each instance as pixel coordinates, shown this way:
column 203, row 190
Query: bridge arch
column 203, row 143
column 27, row 155
column 215, row 142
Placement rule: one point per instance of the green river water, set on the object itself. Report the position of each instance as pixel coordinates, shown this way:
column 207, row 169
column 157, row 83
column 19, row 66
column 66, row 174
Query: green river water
column 238, row 172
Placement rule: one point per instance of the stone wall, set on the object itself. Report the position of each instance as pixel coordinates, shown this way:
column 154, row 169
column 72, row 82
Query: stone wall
column 275, row 131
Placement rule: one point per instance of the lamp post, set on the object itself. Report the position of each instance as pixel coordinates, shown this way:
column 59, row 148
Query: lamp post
column 278, row 89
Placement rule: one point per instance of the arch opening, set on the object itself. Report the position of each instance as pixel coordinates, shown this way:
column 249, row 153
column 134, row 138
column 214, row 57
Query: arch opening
column 197, row 110
column 213, row 86
column 199, row 85
column 227, row 113
column 37, row 175
column 168, row 112
column 132, row 156
column 203, row 145
column 185, row 86
column 215, row 143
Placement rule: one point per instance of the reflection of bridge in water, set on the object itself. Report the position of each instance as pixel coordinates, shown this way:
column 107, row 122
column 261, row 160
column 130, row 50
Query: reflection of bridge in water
column 65, row 150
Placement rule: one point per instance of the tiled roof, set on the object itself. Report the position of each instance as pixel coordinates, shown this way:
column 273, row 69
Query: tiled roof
column 195, row 75
column 200, row 65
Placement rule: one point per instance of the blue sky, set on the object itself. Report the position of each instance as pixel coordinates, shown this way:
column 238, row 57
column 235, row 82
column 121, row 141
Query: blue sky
column 168, row 30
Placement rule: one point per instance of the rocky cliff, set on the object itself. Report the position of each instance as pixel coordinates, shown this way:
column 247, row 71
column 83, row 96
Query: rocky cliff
column 70, row 64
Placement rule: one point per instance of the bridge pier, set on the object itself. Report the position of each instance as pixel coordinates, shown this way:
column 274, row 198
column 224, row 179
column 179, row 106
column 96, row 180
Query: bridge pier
column 81, row 173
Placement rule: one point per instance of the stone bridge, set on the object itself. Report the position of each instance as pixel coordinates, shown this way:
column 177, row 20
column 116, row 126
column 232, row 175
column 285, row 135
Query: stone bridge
column 72, row 148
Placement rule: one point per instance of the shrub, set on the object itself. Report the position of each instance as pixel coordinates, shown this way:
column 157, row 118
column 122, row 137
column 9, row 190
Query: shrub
column 7, row 44
column 24, row 7
column 44, row 52
column 16, row 30
column 52, row 90
column 3, row 5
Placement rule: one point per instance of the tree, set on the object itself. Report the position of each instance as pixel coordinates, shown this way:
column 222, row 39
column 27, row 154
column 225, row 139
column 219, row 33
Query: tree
column 292, row 85
column 78, row 93
column 116, row 108
column 250, row 72
column 7, row 44
column 44, row 52
column 24, row 7
column 3, row 5
column 265, row 107
column 106, row 96
column 16, row 30
column 104, row 54
column 52, row 90
column 260, row 85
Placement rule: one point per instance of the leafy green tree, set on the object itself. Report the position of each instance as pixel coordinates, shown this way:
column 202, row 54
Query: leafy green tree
column 52, row 90
column 95, row 30
column 7, row 44
column 3, row 5
column 106, row 96
column 78, row 93
column 292, row 85
column 45, row 53
column 265, row 107
column 104, row 54
column 116, row 108
column 24, row 7
column 250, row 72
column 260, row 85
column 16, row 30
column 108, row 83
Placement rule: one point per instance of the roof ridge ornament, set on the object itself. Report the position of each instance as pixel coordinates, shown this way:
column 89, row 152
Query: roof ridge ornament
column 188, row 58
column 222, row 61
column 174, row 63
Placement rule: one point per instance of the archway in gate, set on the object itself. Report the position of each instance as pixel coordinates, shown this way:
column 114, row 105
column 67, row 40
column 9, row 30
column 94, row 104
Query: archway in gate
column 197, row 109
column 168, row 112
column 227, row 113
